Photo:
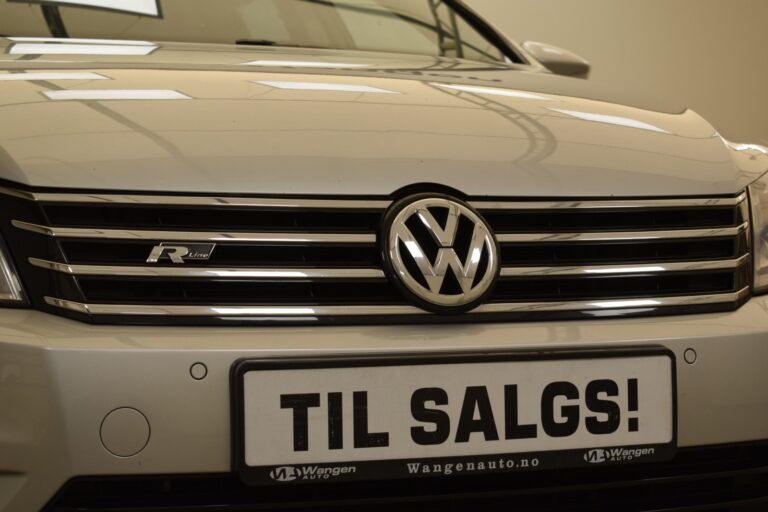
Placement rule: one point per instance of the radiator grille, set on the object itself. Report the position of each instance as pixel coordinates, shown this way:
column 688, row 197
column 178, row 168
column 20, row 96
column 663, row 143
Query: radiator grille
column 299, row 260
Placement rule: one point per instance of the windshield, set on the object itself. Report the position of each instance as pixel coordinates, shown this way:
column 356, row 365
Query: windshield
column 425, row 27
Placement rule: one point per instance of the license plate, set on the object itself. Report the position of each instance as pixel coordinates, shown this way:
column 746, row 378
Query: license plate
column 302, row 421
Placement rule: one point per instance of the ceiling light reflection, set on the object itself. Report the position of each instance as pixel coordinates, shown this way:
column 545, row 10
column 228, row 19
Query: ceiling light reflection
column 72, row 40
column 414, row 249
column 749, row 147
column 264, row 310
column 38, row 61
column 28, row 77
column 607, row 119
column 303, row 64
column 494, row 91
column 266, row 319
column 80, row 49
column 638, row 303
column 323, row 86
column 624, row 270
column 619, row 313
column 107, row 95
column 141, row 7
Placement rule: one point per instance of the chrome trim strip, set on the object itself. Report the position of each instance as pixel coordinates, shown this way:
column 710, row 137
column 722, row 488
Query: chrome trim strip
column 635, row 204
column 166, row 200
column 353, row 203
column 744, row 209
column 615, row 304
column 212, row 272
column 287, row 312
column 620, row 236
column 198, row 236
column 362, row 238
column 371, row 273
column 231, row 311
column 639, row 268
column 17, row 193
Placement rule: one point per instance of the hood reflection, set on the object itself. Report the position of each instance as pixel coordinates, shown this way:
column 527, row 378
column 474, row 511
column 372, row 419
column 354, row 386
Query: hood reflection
column 323, row 86
column 614, row 120
column 106, row 95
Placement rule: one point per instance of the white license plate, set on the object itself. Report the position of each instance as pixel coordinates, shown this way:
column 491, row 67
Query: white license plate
column 427, row 416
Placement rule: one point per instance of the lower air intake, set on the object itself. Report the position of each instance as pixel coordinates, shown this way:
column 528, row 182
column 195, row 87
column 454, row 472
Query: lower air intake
column 722, row 479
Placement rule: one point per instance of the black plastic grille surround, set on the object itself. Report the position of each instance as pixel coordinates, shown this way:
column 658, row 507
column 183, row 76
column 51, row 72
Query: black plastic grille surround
column 536, row 244
column 731, row 478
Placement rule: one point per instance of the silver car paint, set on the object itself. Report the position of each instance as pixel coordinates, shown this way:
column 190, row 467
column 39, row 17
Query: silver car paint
column 513, row 131
column 54, row 372
column 238, row 136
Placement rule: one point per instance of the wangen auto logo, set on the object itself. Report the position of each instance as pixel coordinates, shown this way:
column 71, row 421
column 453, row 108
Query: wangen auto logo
column 441, row 251
column 284, row 474
column 291, row 473
column 600, row 456
column 595, row 456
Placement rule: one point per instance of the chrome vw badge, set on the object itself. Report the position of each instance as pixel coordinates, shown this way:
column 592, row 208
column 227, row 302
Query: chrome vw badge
column 441, row 252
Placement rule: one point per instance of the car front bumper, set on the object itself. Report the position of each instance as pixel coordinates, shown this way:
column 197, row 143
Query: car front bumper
column 60, row 378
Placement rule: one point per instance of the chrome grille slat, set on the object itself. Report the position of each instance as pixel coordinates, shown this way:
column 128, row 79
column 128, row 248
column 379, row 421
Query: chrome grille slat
column 202, row 272
column 595, row 270
column 598, row 236
column 384, row 310
column 362, row 238
column 306, row 259
column 366, row 273
column 199, row 236
column 354, row 203
column 633, row 204
column 221, row 201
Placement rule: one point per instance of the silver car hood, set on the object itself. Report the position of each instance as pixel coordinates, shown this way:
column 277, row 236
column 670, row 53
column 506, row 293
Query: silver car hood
column 231, row 120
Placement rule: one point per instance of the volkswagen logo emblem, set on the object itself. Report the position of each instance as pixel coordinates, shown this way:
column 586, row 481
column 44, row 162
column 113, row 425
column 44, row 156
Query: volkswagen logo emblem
column 441, row 252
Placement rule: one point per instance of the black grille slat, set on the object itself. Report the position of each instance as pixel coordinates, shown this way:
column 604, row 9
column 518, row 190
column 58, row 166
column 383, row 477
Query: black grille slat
column 611, row 220
column 75, row 251
column 544, row 289
column 621, row 252
column 243, row 292
column 201, row 219
column 132, row 253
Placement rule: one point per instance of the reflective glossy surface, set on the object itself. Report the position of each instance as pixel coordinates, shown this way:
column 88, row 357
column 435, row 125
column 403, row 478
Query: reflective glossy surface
column 198, row 236
column 439, row 255
column 250, row 273
column 598, row 270
column 482, row 129
column 311, row 313
column 293, row 203
column 558, row 60
column 474, row 271
column 43, row 357
column 236, row 123
column 622, row 236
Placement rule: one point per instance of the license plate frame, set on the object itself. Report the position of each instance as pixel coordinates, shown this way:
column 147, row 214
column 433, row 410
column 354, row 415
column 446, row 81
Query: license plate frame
column 393, row 469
